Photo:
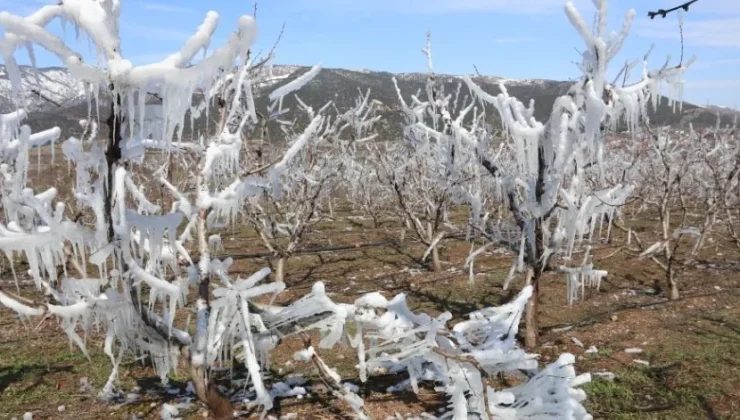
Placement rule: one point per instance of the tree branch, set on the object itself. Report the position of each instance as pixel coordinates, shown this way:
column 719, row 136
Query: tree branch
column 663, row 12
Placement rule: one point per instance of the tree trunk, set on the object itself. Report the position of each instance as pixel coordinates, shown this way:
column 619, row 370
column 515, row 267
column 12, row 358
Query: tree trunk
column 535, row 263
column 207, row 392
column 280, row 269
column 376, row 222
column 531, row 320
column 112, row 158
column 436, row 266
column 171, row 180
column 673, row 284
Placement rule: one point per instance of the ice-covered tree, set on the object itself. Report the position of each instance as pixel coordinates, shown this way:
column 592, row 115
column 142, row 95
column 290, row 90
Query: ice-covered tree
column 364, row 187
column 463, row 359
column 366, row 193
column 25, row 209
column 543, row 178
column 137, row 252
column 434, row 175
column 731, row 200
column 136, row 248
column 307, row 176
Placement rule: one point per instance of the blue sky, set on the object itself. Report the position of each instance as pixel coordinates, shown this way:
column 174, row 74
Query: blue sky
column 500, row 37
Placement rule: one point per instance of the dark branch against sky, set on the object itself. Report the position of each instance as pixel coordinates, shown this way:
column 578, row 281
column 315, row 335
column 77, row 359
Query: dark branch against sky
column 663, row 12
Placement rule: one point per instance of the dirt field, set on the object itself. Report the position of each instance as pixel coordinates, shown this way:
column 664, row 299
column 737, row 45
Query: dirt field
column 689, row 366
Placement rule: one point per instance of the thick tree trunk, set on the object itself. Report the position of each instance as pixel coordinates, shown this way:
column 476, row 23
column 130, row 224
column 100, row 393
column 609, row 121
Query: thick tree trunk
column 112, row 159
column 535, row 264
column 207, row 392
column 436, row 265
column 376, row 222
column 280, row 269
column 673, row 285
column 531, row 320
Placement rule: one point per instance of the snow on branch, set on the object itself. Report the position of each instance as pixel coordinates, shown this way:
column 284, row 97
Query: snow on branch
column 133, row 250
column 545, row 164
column 296, row 84
column 176, row 75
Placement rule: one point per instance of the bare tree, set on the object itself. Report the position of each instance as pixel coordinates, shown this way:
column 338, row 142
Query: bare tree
column 685, row 179
column 365, row 190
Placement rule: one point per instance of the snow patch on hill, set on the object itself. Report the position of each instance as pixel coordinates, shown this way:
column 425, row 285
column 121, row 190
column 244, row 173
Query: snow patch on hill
column 43, row 87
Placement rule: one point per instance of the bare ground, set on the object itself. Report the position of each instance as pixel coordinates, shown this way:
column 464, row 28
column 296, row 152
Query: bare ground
column 691, row 347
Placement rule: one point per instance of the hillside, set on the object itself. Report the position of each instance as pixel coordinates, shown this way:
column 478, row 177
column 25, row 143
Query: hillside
column 56, row 99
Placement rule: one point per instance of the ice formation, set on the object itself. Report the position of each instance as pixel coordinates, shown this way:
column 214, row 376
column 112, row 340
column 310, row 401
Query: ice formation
column 138, row 252
column 544, row 169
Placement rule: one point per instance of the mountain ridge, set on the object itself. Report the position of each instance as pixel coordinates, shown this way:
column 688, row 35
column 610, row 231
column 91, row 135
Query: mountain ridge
column 57, row 99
